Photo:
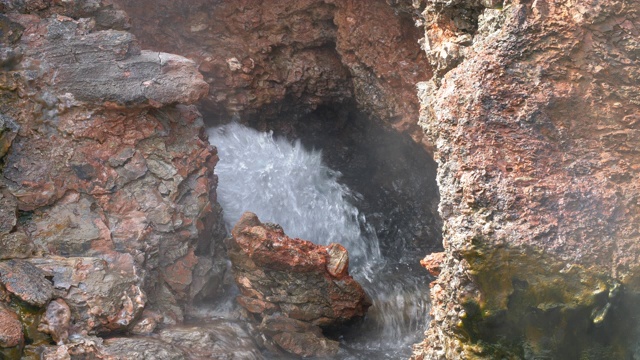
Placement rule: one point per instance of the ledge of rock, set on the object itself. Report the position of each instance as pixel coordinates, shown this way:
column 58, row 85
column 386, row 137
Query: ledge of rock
column 106, row 66
column 307, row 284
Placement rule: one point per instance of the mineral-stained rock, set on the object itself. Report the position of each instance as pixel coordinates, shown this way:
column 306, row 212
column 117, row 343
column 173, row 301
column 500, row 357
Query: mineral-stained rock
column 147, row 323
column 56, row 321
column 99, row 162
column 26, row 282
column 87, row 347
column 300, row 280
column 262, row 57
column 10, row 328
column 215, row 339
column 298, row 337
column 538, row 166
column 103, row 295
column 433, row 262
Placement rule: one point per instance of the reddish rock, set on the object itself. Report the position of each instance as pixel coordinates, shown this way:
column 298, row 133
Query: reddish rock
column 101, row 158
column 434, row 262
column 338, row 262
column 10, row 328
column 300, row 280
column 532, row 112
column 102, row 295
column 147, row 323
column 315, row 52
column 298, row 337
column 56, row 321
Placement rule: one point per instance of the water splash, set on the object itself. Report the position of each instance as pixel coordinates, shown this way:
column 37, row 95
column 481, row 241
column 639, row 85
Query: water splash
column 284, row 183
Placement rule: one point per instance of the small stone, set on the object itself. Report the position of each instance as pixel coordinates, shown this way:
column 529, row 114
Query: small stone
column 298, row 337
column 433, row 262
column 10, row 328
column 147, row 323
column 338, row 263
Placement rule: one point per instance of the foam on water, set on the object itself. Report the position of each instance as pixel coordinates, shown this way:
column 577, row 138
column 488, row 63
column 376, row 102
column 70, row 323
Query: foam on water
column 284, row 183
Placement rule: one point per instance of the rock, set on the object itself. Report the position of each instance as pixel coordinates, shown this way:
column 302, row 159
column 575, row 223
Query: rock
column 8, row 127
column 147, row 323
column 141, row 349
column 277, row 274
column 538, row 174
column 215, row 339
column 10, row 328
column 101, row 161
column 434, row 262
column 338, row 262
column 26, row 282
column 102, row 295
column 298, row 337
column 315, row 53
column 56, row 321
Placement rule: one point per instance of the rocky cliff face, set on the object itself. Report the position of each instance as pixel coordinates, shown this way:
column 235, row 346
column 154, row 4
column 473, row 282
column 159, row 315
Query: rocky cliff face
column 535, row 117
column 108, row 212
column 106, row 179
column 265, row 58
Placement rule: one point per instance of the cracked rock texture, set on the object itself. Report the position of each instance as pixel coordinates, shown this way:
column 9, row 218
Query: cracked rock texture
column 263, row 58
column 293, row 287
column 107, row 191
column 534, row 112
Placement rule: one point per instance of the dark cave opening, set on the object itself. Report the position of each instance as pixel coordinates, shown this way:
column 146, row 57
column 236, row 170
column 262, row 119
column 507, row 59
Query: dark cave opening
column 394, row 176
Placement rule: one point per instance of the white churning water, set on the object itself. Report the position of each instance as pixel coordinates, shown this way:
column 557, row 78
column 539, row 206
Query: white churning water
column 284, row 183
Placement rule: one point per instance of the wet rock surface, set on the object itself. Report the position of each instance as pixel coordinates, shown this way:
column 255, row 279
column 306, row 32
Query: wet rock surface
column 536, row 146
column 10, row 328
column 101, row 295
column 106, row 179
column 292, row 277
column 298, row 337
column 215, row 339
column 56, row 321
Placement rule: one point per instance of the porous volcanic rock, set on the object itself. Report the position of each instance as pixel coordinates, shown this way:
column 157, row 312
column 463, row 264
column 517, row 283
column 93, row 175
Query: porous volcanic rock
column 10, row 328
column 103, row 294
column 535, row 112
column 106, row 176
column 262, row 58
column 98, row 157
column 294, row 278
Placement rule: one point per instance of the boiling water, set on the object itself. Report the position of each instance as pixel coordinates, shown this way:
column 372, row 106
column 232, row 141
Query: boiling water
column 284, row 183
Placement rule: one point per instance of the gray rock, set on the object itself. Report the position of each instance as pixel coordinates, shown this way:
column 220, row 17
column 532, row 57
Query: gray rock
column 102, row 295
column 26, row 282
column 217, row 339
column 142, row 349
column 108, row 67
column 298, row 337
column 56, row 321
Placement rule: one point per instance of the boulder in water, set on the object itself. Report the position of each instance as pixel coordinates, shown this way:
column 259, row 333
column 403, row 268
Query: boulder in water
column 294, row 278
